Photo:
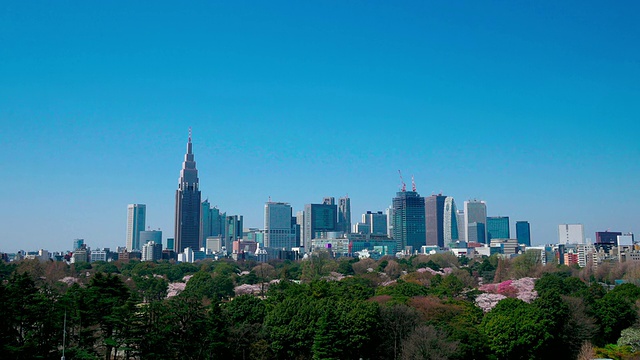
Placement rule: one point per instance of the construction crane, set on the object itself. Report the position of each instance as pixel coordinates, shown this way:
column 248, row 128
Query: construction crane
column 413, row 184
column 404, row 186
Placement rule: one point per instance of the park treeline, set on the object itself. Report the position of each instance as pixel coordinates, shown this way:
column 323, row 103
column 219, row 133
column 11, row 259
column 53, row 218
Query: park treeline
column 318, row 308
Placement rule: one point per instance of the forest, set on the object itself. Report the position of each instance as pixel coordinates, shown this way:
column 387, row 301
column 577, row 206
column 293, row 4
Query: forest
column 420, row 307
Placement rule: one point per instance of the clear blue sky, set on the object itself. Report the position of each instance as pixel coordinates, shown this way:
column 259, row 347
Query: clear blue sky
column 530, row 106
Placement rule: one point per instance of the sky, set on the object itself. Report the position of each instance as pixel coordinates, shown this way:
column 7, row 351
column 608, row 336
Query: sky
column 530, row 106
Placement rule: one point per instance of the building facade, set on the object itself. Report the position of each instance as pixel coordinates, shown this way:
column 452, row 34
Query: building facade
column 150, row 235
column 434, row 219
column 408, row 223
column 344, row 215
column 497, row 227
column 318, row 220
column 377, row 222
column 187, row 215
column 523, row 233
column 279, row 226
column 450, row 221
column 136, row 218
column 475, row 211
column 570, row 234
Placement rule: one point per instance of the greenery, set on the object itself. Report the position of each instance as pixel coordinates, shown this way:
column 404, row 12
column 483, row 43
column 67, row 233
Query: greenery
column 421, row 307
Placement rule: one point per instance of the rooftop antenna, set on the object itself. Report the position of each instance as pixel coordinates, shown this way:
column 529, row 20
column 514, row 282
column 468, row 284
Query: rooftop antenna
column 189, row 133
column 413, row 184
column 404, row 186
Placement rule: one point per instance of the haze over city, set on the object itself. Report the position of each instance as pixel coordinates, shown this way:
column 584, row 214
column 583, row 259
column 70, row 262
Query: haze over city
column 532, row 108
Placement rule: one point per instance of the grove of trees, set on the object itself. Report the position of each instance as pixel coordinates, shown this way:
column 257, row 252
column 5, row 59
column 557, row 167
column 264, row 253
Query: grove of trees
column 422, row 307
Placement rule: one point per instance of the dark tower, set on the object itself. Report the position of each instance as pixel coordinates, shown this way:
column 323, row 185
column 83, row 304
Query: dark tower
column 434, row 207
column 408, row 220
column 187, row 231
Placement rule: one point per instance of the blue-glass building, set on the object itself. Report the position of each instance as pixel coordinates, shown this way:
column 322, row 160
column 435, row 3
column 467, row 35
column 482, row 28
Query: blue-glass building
column 523, row 233
column 497, row 228
column 409, row 220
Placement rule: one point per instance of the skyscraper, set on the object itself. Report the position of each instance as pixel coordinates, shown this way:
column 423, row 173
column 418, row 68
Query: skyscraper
column 434, row 215
column 318, row 220
column 187, row 220
column 211, row 222
column 462, row 229
column 497, row 228
column 377, row 222
column 474, row 212
column 408, row 220
column 450, row 221
column 136, row 217
column 278, row 226
column 523, row 233
column 344, row 214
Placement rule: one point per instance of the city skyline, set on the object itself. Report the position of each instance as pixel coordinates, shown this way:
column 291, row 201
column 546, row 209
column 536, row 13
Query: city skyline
column 529, row 107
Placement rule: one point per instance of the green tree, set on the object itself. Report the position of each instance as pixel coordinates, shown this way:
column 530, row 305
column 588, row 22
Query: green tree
column 515, row 330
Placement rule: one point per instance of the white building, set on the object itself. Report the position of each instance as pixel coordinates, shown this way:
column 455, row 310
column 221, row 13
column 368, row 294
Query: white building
column 136, row 214
column 570, row 234
column 151, row 251
column 99, row 255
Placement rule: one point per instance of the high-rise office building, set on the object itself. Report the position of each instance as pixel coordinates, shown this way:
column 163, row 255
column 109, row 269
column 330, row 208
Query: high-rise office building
column 570, row 234
column 151, row 235
column 475, row 212
column 211, row 222
column 497, row 228
column 377, row 222
column 187, row 219
column 344, row 214
column 450, row 221
column 476, row 233
column 233, row 229
column 136, row 217
column 318, row 220
column 409, row 221
column 523, row 233
column 434, row 218
column 462, row 229
column 300, row 226
column 278, row 226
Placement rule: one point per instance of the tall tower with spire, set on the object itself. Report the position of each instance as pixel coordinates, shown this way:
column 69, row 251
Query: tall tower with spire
column 187, row 229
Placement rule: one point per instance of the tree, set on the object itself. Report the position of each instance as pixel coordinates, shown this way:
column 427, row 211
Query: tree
column 397, row 321
column 427, row 343
column 515, row 330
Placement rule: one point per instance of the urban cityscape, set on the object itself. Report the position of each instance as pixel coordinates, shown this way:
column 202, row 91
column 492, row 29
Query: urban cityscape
column 360, row 180
column 411, row 225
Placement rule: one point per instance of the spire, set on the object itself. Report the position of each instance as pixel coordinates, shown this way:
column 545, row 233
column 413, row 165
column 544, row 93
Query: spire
column 189, row 146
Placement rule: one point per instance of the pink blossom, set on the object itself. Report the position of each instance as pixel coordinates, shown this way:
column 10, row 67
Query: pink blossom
column 175, row 288
column 486, row 302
